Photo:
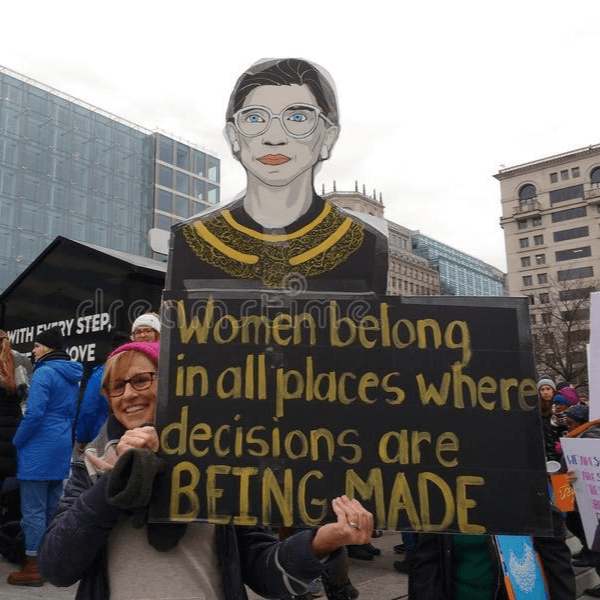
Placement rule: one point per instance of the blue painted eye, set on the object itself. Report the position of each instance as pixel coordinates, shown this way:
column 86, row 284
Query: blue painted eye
column 254, row 118
column 297, row 117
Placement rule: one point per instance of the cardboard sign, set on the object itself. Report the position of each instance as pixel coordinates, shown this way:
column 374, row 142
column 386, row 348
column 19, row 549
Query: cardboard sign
column 564, row 498
column 523, row 576
column 582, row 456
column 593, row 355
column 270, row 406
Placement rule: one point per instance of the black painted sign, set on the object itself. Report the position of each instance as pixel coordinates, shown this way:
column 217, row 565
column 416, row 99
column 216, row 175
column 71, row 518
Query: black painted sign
column 272, row 405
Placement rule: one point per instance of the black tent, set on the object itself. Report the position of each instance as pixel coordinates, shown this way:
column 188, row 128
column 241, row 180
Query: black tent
column 91, row 292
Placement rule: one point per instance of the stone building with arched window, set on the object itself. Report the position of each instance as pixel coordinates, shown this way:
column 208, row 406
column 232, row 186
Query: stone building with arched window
column 551, row 222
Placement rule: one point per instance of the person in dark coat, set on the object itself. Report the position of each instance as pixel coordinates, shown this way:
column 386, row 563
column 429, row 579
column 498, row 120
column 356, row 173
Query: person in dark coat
column 553, row 550
column 44, row 443
column 100, row 535
column 15, row 370
column 455, row 567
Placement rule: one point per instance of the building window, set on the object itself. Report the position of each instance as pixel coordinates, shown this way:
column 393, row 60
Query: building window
column 575, row 172
column 573, row 253
column 536, row 221
column 571, row 234
column 165, row 149
column 531, row 299
column 524, row 242
column 527, row 192
column 576, row 293
column 527, row 280
column 538, row 240
column 564, row 175
column 579, row 273
column 533, row 318
column 577, row 314
column 540, row 259
column 544, row 298
column 546, row 318
column 525, row 261
column 522, row 223
column 595, row 178
column 165, row 176
column 568, row 193
column 542, row 277
column 527, row 196
column 553, row 177
column 570, row 213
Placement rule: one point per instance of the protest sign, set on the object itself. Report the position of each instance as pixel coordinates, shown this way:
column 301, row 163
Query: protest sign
column 270, row 406
column 563, row 493
column 593, row 355
column 523, row 576
column 582, row 456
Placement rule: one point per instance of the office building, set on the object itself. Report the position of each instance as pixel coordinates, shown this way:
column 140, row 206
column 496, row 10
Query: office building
column 69, row 168
column 420, row 265
column 460, row 273
column 551, row 217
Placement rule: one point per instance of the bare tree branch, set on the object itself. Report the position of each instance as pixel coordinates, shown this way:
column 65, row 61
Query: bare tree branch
column 561, row 329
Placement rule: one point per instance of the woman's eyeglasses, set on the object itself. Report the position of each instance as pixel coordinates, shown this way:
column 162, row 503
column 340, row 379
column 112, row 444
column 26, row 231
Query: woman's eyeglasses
column 139, row 382
column 143, row 332
column 298, row 120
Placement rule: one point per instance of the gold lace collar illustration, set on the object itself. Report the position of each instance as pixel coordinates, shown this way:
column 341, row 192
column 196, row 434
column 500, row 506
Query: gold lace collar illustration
column 244, row 253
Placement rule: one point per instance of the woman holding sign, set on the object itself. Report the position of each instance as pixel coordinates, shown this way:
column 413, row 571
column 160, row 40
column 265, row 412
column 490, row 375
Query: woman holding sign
column 100, row 535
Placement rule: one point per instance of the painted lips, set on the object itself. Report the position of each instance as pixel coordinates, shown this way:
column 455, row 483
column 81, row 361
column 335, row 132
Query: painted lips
column 274, row 159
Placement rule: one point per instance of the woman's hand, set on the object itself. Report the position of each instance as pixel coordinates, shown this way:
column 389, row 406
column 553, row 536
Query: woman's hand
column 571, row 477
column 140, row 437
column 354, row 526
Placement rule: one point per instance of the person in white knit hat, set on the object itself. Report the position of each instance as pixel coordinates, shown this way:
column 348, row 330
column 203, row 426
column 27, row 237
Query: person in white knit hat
column 146, row 328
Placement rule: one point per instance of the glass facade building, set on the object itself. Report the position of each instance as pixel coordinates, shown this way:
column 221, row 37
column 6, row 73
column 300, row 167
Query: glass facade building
column 460, row 274
column 68, row 168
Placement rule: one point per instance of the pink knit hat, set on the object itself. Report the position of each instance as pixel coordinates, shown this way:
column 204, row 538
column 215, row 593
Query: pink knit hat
column 570, row 394
column 150, row 349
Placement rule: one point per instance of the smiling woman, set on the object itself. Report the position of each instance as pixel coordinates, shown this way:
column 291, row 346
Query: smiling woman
column 100, row 534
column 281, row 123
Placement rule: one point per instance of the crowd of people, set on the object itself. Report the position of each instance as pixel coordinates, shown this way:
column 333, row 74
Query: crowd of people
column 94, row 529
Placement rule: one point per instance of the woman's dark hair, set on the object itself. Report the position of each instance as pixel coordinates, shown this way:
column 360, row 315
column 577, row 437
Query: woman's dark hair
column 285, row 71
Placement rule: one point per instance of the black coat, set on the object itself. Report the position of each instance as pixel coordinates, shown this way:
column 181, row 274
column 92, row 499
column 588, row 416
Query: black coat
column 74, row 548
column 431, row 574
column 10, row 415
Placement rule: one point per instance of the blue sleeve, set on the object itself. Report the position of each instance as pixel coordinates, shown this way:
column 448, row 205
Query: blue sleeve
column 92, row 412
column 39, row 394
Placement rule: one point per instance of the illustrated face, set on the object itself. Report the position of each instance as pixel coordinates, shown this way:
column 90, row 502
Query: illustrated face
column 133, row 408
column 275, row 156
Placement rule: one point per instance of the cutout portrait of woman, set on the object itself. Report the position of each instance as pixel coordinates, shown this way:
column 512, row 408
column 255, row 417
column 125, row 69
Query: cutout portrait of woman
column 281, row 123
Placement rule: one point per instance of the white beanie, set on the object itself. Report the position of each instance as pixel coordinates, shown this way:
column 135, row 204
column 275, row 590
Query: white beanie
column 146, row 320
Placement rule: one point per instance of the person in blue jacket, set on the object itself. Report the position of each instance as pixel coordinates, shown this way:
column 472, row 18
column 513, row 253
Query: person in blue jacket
column 44, row 443
column 93, row 409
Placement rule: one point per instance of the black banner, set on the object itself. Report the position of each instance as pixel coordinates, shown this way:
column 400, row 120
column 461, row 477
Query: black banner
column 270, row 406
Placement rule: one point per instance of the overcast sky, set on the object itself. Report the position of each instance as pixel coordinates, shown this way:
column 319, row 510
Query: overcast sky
column 435, row 97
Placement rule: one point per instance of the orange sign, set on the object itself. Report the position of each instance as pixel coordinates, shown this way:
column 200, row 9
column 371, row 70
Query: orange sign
column 564, row 497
